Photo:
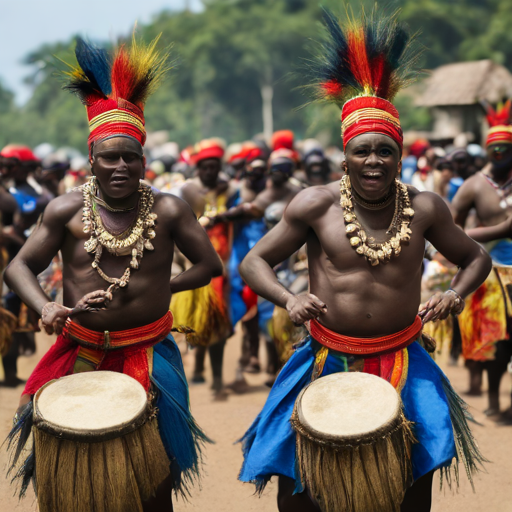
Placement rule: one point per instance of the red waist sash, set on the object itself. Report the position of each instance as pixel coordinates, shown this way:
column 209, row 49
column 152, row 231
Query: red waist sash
column 365, row 346
column 120, row 351
column 152, row 333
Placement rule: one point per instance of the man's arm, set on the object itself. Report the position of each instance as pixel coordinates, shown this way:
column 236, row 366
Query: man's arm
column 7, row 202
column 38, row 252
column 463, row 202
column 451, row 241
column 288, row 236
column 192, row 240
column 490, row 233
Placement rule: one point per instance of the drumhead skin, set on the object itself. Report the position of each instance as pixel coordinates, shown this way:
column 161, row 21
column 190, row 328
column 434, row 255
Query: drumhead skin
column 90, row 403
column 348, row 405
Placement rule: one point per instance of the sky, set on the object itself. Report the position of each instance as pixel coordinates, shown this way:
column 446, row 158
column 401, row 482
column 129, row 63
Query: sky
column 27, row 24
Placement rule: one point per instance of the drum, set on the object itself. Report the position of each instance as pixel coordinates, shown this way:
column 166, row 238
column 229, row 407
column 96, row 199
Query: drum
column 353, row 443
column 97, row 445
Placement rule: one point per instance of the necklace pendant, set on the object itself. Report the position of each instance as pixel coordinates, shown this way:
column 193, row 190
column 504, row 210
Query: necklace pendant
column 134, row 263
column 355, row 241
column 91, row 244
column 351, row 228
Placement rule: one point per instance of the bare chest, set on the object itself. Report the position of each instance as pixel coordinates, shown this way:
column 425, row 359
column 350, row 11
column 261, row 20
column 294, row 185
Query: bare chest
column 492, row 204
column 330, row 245
column 78, row 262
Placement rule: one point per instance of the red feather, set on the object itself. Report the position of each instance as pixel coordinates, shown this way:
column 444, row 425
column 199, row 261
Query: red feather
column 358, row 58
column 123, row 76
column 332, row 88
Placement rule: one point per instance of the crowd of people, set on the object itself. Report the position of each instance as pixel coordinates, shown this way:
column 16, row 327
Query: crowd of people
column 321, row 252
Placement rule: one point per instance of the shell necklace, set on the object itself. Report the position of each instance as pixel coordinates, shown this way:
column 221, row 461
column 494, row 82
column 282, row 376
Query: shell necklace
column 398, row 231
column 132, row 241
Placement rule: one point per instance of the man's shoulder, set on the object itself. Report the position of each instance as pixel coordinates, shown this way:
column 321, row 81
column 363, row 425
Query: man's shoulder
column 64, row 207
column 169, row 205
column 314, row 201
column 426, row 202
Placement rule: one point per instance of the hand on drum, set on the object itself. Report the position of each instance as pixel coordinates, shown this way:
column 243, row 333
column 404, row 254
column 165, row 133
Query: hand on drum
column 302, row 308
column 440, row 306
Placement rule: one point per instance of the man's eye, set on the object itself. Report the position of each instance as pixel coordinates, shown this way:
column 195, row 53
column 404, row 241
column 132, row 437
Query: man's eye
column 110, row 158
column 385, row 152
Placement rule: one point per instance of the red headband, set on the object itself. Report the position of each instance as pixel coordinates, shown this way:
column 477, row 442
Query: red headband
column 500, row 133
column 206, row 149
column 369, row 114
column 109, row 117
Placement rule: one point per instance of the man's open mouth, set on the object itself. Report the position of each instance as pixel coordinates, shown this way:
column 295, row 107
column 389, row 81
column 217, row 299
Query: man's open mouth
column 119, row 179
column 373, row 177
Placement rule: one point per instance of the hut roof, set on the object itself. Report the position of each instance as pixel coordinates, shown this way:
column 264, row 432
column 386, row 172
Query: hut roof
column 466, row 83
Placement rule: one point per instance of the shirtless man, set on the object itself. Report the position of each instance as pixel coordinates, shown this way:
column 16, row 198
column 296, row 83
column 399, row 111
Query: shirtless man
column 208, row 194
column 363, row 295
column 140, row 288
column 489, row 192
column 243, row 301
column 269, row 204
column 278, row 190
column 21, row 163
column 340, row 294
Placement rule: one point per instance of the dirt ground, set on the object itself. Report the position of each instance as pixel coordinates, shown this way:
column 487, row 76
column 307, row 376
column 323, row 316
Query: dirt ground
column 225, row 422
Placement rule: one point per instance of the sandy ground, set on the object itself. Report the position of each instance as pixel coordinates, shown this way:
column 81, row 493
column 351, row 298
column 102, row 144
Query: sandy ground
column 226, row 421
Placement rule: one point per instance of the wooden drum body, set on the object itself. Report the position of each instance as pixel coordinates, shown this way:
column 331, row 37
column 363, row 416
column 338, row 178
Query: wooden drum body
column 353, row 443
column 97, row 445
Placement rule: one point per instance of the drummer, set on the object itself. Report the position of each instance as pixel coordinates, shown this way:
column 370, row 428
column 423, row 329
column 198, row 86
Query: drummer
column 108, row 286
column 362, row 309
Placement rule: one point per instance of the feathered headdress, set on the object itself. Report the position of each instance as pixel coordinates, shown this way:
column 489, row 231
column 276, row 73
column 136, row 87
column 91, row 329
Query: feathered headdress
column 363, row 64
column 114, row 88
column 500, row 122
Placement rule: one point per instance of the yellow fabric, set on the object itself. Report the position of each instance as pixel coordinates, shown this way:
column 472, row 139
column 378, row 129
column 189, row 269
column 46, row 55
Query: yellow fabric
column 484, row 320
column 441, row 331
column 203, row 311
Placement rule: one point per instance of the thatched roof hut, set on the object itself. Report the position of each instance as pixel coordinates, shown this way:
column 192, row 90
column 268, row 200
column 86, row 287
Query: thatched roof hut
column 453, row 93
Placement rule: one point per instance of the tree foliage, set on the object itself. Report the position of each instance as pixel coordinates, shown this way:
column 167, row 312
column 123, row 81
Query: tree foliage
column 228, row 51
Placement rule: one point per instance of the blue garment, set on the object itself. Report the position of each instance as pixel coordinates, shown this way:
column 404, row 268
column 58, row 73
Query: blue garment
column 453, row 187
column 409, row 167
column 502, row 252
column 269, row 444
column 181, row 436
column 246, row 236
column 26, row 199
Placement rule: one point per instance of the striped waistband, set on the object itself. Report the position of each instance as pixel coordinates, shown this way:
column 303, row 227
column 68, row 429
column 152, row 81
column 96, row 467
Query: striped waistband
column 148, row 334
column 365, row 346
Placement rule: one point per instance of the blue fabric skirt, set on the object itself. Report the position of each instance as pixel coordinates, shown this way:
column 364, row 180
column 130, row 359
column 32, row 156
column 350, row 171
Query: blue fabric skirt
column 269, row 444
column 181, row 436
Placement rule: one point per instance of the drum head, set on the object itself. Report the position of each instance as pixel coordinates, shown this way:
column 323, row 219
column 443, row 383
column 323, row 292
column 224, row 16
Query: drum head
column 348, row 405
column 90, row 402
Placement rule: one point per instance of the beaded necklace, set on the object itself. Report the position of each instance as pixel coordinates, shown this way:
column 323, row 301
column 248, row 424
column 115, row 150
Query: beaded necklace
column 399, row 231
column 133, row 241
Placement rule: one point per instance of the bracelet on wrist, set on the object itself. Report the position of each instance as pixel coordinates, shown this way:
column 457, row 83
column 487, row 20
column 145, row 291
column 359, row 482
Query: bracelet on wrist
column 459, row 305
